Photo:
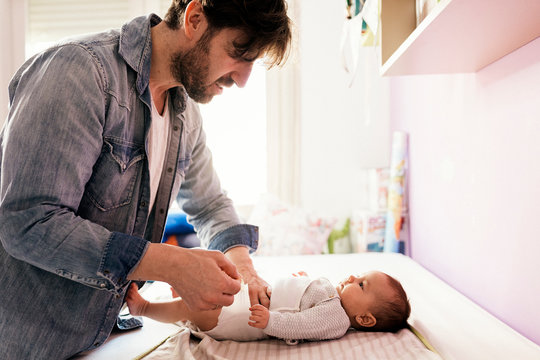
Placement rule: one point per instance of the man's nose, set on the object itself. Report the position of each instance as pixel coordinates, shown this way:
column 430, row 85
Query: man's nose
column 241, row 76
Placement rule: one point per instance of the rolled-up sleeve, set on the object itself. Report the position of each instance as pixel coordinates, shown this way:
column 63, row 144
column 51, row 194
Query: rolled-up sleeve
column 122, row 254
column 238, row 235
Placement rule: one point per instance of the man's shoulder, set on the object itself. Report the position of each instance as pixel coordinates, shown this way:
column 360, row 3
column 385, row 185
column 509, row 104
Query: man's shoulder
column 96, row 39
column 97, row 51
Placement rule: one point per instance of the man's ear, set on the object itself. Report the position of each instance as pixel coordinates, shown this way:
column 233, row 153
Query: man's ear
column 366, row 320
column 194, row 20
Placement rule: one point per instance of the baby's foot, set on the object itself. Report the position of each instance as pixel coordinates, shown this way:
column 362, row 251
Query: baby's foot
column 135, row 301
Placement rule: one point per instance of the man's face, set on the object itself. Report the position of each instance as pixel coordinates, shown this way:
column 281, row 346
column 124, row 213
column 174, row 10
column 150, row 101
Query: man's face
column 211, row 65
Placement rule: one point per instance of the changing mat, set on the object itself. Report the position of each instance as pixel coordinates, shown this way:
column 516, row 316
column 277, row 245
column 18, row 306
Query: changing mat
column 403, row 345
column 438, row 312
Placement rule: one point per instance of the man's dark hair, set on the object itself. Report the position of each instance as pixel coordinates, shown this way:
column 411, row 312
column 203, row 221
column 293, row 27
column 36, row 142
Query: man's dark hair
column 265, row 23
column 392, row 313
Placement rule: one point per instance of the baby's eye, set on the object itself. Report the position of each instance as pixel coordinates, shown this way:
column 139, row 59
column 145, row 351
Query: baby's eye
column 361, row 284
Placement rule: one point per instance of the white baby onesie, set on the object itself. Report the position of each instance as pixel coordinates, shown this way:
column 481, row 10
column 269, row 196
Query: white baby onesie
column 300, row 308
column 233, row 320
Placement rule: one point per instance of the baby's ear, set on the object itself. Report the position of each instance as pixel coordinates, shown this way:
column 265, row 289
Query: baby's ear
column 366, row 320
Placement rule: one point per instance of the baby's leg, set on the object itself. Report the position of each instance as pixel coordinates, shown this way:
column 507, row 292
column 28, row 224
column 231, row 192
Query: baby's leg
column 170, row 311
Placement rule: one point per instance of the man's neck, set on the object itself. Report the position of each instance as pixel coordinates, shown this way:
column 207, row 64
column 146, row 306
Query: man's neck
column 163, row 46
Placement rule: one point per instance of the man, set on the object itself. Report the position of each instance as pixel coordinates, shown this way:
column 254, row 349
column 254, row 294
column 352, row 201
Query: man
column 103, row 132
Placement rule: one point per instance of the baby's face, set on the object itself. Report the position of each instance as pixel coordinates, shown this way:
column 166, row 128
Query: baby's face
column 360, row 293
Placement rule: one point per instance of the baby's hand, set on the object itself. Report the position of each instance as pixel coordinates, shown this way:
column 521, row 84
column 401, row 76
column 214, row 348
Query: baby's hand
column 259, row 316
column 300, row 273
column 135, row 301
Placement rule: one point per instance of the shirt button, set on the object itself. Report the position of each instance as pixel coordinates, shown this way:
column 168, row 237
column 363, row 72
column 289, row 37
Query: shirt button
column 143, row 203
column 169, row 169
column 175, row 128
column 161, row 211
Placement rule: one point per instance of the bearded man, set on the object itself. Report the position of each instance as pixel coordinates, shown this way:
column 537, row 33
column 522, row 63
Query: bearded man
column 103, row 133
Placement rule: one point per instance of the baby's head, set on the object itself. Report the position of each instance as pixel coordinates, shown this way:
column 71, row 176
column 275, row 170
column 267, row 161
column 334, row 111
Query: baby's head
column 374, row 301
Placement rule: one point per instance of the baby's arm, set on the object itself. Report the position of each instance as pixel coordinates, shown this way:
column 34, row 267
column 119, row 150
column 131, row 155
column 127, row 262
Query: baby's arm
column 325, row 320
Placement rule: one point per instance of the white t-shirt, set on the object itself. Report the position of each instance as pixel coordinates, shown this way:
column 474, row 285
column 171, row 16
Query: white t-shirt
column 158, row 137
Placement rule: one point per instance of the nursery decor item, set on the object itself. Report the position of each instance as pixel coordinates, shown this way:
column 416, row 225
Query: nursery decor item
column 285, row 229
column 396, row 193
column 367, row 230
column 339, row 241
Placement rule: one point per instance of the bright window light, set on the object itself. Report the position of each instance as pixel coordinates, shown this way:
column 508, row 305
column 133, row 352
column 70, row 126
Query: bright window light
column 235, row 125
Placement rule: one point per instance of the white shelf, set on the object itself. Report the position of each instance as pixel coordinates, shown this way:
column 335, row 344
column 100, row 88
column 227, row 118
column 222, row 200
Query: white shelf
column 458, row 36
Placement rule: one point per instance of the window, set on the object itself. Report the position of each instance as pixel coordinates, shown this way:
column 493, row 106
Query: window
column 52, row 20
column 235, row 122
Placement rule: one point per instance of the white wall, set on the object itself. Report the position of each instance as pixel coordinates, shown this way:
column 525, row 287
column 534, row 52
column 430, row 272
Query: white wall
column 12, row 25
column 343, row 129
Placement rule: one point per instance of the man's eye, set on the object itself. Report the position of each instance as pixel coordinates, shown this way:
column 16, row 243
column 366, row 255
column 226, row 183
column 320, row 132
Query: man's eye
column 361, row 284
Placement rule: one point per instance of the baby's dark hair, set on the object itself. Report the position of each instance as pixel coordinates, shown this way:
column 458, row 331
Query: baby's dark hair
column 392, row 312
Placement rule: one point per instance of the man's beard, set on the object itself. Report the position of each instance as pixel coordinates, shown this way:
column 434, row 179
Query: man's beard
column 191, row 69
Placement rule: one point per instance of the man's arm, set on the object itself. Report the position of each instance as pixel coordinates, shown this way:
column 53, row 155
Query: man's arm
column 49, row 148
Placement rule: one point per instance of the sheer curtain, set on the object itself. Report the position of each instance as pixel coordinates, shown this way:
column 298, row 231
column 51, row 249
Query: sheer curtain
column 283, row 122
column 235, row 123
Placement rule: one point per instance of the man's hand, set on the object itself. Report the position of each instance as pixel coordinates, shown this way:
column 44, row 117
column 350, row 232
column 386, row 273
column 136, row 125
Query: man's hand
column 204, row 279
column 259, row 292
column 259, row 316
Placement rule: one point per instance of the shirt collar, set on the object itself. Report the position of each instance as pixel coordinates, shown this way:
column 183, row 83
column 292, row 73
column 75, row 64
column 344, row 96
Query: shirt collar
column 136, row 49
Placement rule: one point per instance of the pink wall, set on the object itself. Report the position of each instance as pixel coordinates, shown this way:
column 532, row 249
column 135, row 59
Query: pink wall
column 475, row 181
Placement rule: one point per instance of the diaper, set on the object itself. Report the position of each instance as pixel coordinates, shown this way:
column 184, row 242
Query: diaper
column 287, row 293
column 233, row 321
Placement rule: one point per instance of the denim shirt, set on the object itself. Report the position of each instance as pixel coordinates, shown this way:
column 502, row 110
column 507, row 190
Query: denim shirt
column 74, row 192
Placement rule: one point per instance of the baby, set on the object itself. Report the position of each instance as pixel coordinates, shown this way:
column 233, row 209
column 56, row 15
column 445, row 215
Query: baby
column 300, row 309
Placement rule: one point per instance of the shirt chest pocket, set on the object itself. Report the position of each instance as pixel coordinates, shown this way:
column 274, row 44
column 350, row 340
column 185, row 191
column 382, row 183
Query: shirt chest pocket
column 116, row 174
